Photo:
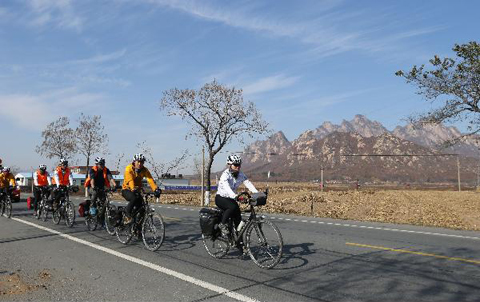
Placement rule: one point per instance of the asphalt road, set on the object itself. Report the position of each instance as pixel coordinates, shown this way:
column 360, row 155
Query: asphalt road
column 324, row 260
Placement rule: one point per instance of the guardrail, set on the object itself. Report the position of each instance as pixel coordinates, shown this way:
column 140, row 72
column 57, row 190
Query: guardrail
column 188, row 188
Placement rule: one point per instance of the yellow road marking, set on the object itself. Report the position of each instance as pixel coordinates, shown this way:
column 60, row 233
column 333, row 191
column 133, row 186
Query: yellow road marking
column 171, row 218
column 412, row 252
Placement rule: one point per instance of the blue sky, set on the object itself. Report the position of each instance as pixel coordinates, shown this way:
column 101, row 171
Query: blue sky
column 300, row 62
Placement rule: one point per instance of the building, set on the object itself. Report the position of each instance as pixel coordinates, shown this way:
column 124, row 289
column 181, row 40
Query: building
column 26, row 180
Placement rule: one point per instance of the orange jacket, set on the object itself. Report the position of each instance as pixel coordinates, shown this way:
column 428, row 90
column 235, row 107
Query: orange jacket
column 63, row 178
column 105, row 177
column 42, row 180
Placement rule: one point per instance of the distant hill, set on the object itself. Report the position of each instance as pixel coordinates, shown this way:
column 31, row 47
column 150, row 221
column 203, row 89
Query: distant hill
column 328, row 145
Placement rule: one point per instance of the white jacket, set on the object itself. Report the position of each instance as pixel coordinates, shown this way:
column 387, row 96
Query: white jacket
column 228, row 185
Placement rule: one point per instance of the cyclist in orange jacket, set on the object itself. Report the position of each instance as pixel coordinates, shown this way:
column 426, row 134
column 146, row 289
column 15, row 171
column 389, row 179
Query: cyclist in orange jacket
column 99, row 177
column 41, row 180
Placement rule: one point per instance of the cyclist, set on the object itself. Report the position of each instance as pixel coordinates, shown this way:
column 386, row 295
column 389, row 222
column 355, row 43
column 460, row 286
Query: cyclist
column 41, row 180
column 99, row 177
column 226, row 197
column 62, row 177
column 132, row 185
column 7, row 181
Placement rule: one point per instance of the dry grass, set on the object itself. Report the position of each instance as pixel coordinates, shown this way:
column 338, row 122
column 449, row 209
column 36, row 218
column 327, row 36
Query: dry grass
column 450, row 209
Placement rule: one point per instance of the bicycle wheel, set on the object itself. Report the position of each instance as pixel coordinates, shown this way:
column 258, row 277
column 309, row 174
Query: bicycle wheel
column 110, row 219
column 69, row 214
column 38, row 212
column 264, row 243
column 57, row 215
column 217, row 247
column 91, row 222
column 124, row 232
column 44, row 212
column 8, row 208
column 153, row 231
column 2, row 207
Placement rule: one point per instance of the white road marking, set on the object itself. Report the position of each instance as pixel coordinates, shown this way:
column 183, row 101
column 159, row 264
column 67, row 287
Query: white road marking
column 195, row 281
column 367, row 227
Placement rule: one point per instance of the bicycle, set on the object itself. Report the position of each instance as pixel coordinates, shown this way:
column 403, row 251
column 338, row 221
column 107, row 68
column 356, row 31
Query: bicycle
column 261, row 238
column 146, row 223
column 42, row 205
column 65, row 208
column 105, row 215
column 6, row 203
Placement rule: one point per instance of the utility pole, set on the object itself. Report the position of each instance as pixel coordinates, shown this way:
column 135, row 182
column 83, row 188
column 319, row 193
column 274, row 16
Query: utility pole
column 203, row 176
column 458, row 172
column 321, row 179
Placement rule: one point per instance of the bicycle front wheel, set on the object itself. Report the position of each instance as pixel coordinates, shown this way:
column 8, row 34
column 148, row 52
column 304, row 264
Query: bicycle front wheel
column 153, row 231
column 43, row 212
column 8, row 208
column 70, row 214
column 110, row 212
column 91, row 222
column 264, row 243
column 57, row 215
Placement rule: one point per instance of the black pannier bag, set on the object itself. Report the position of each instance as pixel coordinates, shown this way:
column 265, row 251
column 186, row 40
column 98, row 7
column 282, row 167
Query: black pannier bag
column 208, row 218
column 260, row 199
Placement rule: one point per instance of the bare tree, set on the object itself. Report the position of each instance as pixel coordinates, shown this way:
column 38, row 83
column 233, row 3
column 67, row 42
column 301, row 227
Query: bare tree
column 197, row 167
column 159, row 168
column 90, row 136
column 454, row 83
column 119, row 161
column 58, row 140
column 216, row 114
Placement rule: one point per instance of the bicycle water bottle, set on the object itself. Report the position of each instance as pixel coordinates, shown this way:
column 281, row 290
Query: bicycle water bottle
column 240, row 226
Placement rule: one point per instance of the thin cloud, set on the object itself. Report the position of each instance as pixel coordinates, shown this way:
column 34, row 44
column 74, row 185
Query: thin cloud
column 271, row 83
column 324, row 35
column 61, row 13
column 33, row 112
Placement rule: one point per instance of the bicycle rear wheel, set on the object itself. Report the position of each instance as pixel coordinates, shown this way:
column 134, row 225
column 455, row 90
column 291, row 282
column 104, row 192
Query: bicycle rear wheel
column 264, row 243
column 124, row 232
column 153, row 231
column 217, row 247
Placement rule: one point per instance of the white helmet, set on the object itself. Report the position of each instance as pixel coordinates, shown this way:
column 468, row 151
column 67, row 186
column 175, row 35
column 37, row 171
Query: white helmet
column 139, row 157
column 234, row 160
column 6, row 169
column 63, row 162
column 42, row 167
column 100, row 160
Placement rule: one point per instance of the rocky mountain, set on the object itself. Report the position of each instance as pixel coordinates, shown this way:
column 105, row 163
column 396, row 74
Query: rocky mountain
column 434, row 136
column 360, row 124
column 333, row 147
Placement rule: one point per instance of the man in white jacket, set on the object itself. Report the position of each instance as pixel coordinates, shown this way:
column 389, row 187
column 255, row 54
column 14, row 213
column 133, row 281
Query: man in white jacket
column 226, row 196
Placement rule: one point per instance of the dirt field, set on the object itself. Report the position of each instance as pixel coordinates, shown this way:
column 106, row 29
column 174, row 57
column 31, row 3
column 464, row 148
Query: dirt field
column 450, row 209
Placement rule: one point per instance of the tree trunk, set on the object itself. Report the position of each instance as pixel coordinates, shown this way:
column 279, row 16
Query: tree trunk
column 209, row 183
column 86, row 175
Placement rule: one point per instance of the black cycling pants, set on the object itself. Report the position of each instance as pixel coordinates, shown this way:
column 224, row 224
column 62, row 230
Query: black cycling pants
column 230, row 208
column 97, row 194
column 37, row 194
column 134, row 199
